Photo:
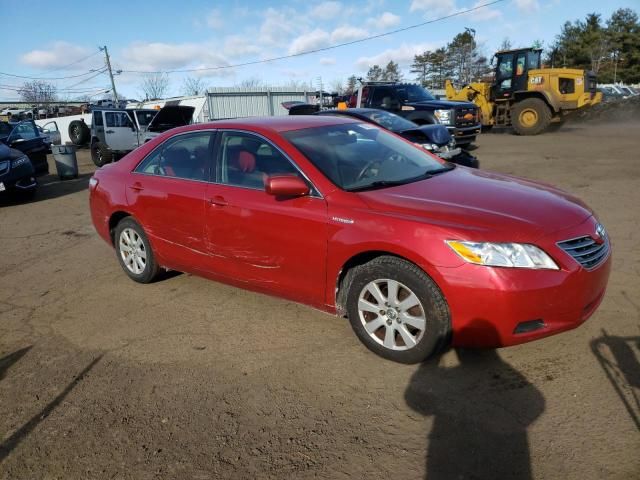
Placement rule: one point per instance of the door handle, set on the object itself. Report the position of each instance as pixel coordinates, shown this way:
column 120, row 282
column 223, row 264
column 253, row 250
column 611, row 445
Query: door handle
column 109, row 131
column 137, row 187
column 218, row 200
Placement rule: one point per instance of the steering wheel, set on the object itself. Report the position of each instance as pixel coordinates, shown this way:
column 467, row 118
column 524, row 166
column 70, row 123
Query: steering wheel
column 365, row 169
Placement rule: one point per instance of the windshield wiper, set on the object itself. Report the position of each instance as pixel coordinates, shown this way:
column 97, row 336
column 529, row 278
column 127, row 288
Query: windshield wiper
column 447, row 168
column 388, row 183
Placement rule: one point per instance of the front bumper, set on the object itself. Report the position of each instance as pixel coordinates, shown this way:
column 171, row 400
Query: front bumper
column 497, row 307
column 19, row 179
column 464, row 135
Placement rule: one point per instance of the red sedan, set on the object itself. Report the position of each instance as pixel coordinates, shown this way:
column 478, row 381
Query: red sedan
column 354, row 220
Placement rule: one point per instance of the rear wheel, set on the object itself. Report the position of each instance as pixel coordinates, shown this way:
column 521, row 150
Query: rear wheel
column 134, row 251
column 101, row 155
column 396, row 310
column 530, row 116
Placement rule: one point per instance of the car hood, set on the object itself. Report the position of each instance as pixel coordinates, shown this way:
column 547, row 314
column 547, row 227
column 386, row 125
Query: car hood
column 437, row 134
column 443, row 104
column 482, row 206
column 171, row 116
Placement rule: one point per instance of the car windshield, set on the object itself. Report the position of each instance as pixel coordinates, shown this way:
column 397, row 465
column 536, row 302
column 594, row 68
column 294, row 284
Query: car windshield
column 361, row 156
column 413, row 93
column 390, row 121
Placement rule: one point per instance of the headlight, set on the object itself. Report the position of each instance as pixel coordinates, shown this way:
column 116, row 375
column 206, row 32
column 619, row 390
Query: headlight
column 432, row 147
column 515, row 255
column 19, row 161
column 443, row 116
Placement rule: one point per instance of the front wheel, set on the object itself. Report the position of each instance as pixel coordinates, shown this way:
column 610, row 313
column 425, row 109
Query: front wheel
column 396, row 310
column 530, row 116
column 134, row 251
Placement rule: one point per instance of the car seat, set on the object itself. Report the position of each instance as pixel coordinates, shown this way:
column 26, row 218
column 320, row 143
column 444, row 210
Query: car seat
column 176, row 162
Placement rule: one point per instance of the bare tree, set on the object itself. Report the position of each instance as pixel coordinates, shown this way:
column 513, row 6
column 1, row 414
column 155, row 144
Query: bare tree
column 37, row 91
column 155, row 86
column 337, row 86
column 250, row 82
column 193, row 86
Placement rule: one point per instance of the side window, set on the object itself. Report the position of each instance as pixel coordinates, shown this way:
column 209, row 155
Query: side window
column 24, row 131
column 117, row 119
column 505, row 66
column 97, row 119
column 566, row 85
column 520, row 61
column 183, row 156
column 382, row 97
column 246, row 160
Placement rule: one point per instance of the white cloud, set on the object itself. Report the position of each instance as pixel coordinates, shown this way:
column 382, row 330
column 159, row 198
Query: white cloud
column 327, row 61
column 434, row 8
column 214, row 19
column 167, row 56
column 278, row 26
column 402, row 55
column 326, row 10
column 346, row 33
column 56, row 55
column 320, row 38
column 483, row 14
column 384, row 21
column 317, row 38
column 528, row 6
column 237, row 45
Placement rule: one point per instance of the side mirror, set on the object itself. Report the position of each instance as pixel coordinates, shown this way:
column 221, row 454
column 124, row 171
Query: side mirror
column 286, row 186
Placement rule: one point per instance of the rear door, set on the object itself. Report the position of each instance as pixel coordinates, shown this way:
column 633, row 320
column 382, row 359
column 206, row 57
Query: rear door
column 119, row 131
column 167, row 194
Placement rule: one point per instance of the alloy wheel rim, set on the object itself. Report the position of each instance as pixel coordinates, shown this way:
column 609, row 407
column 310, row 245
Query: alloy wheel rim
column 132, row 251
column 391, row 314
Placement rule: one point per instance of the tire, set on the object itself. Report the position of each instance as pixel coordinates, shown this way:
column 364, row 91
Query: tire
column 386, row 329
column 530, row 116
column 132, row 243
column 79, row 133
column 101, row 155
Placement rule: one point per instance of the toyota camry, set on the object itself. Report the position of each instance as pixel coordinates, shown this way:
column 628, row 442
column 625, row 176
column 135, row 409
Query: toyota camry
column 352, row 219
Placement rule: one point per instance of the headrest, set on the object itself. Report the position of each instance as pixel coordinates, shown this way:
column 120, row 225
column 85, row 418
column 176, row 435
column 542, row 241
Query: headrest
column 246, row 161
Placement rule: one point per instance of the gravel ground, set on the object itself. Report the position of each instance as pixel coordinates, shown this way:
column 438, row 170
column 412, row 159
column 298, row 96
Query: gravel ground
column 188, row 378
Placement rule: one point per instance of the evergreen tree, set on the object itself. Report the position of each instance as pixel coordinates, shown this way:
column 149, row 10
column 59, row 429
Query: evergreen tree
column 392, row 72
column 375, row 74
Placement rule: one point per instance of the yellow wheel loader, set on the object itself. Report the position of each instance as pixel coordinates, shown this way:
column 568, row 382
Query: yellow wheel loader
column 525, row 96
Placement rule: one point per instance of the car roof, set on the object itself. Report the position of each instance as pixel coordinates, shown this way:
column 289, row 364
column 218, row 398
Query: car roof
column 279, row 124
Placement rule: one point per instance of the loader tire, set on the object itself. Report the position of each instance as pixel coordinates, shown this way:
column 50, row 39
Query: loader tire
column 530, row 116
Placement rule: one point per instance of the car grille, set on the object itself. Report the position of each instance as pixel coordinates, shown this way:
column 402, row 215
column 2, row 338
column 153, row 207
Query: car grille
column 586, row 251
column 4, row 167
column 470, row 121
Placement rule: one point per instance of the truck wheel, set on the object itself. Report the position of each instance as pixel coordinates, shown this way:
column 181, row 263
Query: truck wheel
column 101, row 155
column 79, row 132
column 530, row 116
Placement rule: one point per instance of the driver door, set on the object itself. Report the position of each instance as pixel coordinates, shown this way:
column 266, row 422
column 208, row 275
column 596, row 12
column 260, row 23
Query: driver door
column 274, row 244
column 119, row 132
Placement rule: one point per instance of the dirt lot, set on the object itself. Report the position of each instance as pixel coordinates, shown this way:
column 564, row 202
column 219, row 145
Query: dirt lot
column 187, row 378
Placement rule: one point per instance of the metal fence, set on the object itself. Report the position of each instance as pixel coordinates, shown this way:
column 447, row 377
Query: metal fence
column 233, row 102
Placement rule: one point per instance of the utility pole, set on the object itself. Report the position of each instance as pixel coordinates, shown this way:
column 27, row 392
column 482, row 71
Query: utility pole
column 113, row 84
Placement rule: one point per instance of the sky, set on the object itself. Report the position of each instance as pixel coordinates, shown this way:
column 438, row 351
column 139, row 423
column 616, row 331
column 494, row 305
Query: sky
column 169, row 35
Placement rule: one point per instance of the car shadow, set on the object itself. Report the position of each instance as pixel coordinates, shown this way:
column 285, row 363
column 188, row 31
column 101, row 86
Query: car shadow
column 619, row 358
column 481, row 408
column 11, row 442
column 49, row 187
column 8, row 360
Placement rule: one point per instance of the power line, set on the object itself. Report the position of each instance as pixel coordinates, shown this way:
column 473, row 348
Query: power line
column 323, row 49
column 49, row 78
column 72, row 63
column 100, row 72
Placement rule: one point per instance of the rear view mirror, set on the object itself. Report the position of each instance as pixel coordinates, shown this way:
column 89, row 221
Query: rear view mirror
column 286, row 186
